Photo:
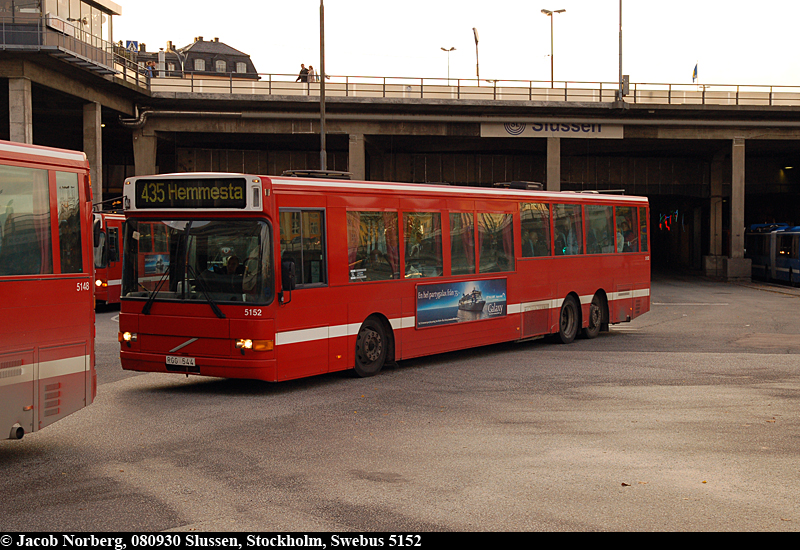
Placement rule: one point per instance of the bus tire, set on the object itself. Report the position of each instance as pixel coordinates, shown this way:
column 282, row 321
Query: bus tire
column 595, row 318
column 372, row 346
column 568, row 320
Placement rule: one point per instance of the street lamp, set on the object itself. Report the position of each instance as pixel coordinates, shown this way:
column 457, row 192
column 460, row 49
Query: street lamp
column 477, row 64
column 448, row 62
column 550, row 14
column 323, row 153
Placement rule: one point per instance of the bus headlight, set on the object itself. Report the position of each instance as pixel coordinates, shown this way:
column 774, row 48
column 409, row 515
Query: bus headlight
column 127, row 337
column 244, row 344
column 255, row 345
column 98, row 282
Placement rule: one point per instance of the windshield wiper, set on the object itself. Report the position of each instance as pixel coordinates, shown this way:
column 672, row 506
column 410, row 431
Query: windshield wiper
column 205, row 292
column 156, row 290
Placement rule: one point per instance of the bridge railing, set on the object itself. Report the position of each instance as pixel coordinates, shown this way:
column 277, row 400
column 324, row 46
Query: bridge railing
column 472, row 89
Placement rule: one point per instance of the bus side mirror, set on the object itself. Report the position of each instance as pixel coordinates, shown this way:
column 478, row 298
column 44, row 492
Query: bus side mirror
column 287, row 274
column 96, row 230
column 287, row 278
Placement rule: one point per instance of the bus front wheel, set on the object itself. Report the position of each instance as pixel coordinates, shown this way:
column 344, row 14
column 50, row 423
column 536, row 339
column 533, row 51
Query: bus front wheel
column 372, row 345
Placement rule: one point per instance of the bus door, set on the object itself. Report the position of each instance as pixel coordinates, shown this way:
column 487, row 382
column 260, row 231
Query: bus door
column 307, row 322
column 113, row 231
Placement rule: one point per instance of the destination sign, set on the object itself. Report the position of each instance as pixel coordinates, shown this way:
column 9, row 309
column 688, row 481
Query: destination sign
column 191, row 193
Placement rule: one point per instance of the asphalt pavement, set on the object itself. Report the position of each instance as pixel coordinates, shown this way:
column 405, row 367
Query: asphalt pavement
column 685, row 419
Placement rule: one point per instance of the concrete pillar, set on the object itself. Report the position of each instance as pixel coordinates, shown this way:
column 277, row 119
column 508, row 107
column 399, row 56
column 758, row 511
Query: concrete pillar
column 737, row 199
column 713, row 263
column 93, row 147
column 144, row 152
column 20, row 110
column 553, row 164
column 738, row 267
column 357, row 158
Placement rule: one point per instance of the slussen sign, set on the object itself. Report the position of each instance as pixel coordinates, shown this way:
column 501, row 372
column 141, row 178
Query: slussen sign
column 191, row 193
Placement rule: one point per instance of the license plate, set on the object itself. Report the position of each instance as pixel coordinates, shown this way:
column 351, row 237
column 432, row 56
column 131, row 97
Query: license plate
column 180, row 361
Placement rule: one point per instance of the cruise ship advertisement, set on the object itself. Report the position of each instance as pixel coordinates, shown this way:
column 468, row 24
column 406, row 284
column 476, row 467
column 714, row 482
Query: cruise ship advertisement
column 460, row 302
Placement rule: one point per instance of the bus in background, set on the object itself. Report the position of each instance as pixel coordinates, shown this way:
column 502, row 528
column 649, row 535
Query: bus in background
column 107, row 256
column 276, row 278
column 774, row 250
column 46, row 274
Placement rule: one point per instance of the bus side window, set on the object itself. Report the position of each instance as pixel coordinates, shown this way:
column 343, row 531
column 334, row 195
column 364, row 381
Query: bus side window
column 535, row 229
column 423, row 244
column 25, row 228
column 373, row 249
column 599, row 229
column 496, row 241
column 462, row 243
column 113, row 244
column 303, row 242
column 627, row 228
column 643, row 228
column 568, row 229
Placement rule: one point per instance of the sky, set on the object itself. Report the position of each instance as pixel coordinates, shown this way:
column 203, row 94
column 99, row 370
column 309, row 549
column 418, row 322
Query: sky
column 729, row 42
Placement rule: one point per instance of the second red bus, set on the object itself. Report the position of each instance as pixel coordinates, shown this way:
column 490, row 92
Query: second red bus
column 46, row 302
column 107, row 256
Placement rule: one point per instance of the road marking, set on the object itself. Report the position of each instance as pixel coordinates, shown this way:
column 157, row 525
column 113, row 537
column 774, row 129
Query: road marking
column 689, row 304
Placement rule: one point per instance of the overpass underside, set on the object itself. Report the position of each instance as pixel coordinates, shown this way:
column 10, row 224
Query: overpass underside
column 689, row 173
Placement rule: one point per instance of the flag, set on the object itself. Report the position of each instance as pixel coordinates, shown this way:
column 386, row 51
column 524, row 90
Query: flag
column 694, row 74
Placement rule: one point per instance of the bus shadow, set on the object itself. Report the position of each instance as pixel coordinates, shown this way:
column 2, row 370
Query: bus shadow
column 101, row 307
column 230, row 387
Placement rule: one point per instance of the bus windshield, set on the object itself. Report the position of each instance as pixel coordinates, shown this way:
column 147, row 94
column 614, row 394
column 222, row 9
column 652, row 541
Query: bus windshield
column 215, row 261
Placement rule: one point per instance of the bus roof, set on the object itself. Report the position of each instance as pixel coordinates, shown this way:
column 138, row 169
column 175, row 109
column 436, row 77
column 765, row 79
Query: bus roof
column 289, row 183
column 41, row 154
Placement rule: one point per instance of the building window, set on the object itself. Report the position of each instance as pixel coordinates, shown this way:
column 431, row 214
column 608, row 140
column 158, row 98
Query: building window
column 220, row 66
column 241, row 67
column 199, row 64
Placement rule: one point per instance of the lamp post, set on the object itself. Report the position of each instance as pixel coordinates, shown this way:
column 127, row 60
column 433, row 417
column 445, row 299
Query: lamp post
column 620, row 93
column 448, row 50
column 477, row 64
column 323, row 155
column 550, row 14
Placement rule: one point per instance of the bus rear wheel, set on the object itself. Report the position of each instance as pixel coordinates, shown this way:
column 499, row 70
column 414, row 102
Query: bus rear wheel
column 595, row 318
column 372, row 345
column 569, row 320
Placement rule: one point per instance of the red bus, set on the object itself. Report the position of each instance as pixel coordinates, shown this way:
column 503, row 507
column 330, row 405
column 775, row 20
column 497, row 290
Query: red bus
column 276, row 278
column 107, row 256
column 47, row 306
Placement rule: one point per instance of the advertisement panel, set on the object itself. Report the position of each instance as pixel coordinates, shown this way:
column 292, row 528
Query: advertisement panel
column 460, row 302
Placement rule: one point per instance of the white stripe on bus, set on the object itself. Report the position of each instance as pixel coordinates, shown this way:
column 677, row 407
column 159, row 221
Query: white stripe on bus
column 337, row 331
column 47, row 369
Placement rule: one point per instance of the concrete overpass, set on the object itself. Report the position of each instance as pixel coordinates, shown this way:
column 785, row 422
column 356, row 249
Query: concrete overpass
column 711, row 159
